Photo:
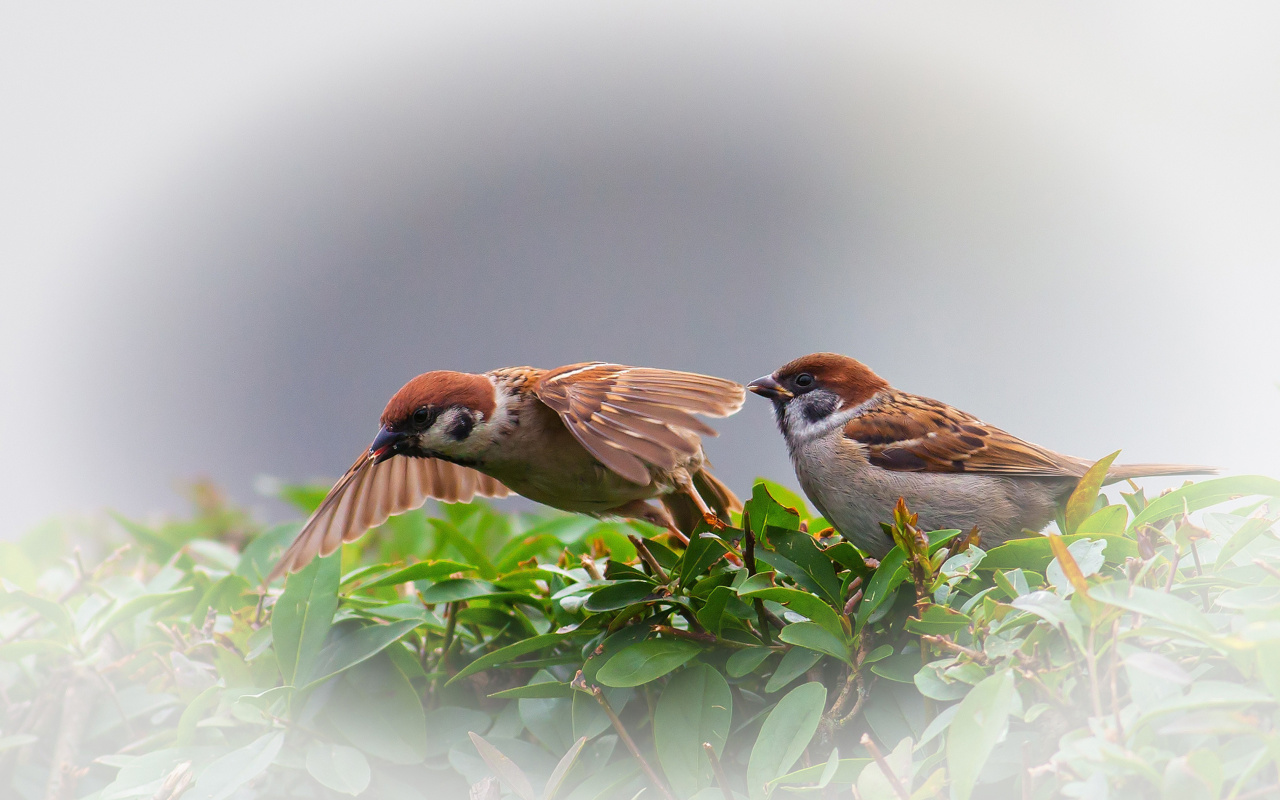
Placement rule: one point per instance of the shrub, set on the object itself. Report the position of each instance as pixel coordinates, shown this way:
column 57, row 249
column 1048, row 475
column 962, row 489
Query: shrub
column 476, row 653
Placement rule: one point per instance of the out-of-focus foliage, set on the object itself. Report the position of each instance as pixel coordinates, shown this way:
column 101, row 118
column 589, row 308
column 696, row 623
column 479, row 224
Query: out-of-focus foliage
column 464, row 652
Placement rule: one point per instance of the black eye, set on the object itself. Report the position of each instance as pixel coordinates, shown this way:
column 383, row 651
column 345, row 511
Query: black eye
column 422, row 417
column 804, row 380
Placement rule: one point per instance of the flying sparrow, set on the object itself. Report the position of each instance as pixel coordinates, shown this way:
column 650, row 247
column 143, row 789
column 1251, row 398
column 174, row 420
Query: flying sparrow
column 601, row 439
column 858, row 445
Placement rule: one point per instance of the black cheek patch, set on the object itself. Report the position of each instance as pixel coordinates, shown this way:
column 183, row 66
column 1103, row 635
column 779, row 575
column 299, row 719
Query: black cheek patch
column 461, row 429
column 817, row 407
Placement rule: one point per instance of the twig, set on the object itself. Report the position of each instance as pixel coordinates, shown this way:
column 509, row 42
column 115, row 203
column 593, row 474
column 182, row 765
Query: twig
column 976, row 656
column 1270, row 570
column 885, row 768
column 1173, row 570
column 1115, row 699
column 76, row 705
column 717, row 769
column 703, row 638
column 648, row 559
column 749, row 559
column 628, row 741
column 589, row 565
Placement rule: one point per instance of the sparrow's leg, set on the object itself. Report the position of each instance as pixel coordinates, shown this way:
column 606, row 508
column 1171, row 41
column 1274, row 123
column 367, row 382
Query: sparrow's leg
column 684, row 483
column 654, row 514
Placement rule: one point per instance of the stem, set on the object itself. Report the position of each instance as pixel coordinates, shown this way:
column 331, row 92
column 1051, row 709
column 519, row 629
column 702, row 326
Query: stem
column 1115, row 699
column 749, row 559
column 718, row 770
column 629, row 742
column 1094, row 691
column 648, row 559
column 976, row 656
column 76, row 705
column 889, row 775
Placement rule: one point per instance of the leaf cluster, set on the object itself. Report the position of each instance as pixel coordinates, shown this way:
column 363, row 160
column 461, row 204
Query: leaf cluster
column 467, row 652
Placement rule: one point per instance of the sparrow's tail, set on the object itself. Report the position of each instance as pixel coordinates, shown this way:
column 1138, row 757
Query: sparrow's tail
column 714, row 493
column 1120, row 472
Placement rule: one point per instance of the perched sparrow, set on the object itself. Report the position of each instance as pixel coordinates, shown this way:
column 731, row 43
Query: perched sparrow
column 602, row 439
column 858, row 444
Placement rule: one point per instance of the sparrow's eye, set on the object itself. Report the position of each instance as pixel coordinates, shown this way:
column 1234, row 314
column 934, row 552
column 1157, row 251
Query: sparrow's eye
column 421, row 417
column 804, row 380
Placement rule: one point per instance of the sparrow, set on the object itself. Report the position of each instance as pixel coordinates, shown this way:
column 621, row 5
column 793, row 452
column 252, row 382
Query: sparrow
column 858, row 444
column 596, row 438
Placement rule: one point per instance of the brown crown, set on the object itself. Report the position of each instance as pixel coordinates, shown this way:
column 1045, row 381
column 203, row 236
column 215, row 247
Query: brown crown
column 440, row 389
column 851, row 379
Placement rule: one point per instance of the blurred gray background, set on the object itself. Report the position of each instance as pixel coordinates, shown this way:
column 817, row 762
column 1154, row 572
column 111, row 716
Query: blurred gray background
column 228, row 232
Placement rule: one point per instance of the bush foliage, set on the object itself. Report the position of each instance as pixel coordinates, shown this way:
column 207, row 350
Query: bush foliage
column 468, row 652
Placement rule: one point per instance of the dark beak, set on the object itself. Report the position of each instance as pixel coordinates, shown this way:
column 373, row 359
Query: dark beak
column 768, row 387
column 385, row 444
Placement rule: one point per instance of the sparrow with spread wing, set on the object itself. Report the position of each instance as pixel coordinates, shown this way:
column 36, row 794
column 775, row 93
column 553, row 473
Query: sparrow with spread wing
column 858, row 445
column 601, row 439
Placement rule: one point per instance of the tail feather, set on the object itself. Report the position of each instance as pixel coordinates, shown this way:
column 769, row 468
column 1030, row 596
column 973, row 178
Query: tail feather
column 1120, row 472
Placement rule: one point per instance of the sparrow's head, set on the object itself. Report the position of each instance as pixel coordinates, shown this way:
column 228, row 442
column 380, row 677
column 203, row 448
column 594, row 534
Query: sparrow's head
column 437, row 414
column 815, row 392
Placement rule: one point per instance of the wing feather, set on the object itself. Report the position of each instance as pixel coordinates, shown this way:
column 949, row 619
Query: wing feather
column 369, row 493
column 907, row 433
column 630, row 417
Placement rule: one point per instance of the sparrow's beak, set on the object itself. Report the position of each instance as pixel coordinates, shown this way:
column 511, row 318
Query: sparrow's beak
column 768, row 387
column 385, row 444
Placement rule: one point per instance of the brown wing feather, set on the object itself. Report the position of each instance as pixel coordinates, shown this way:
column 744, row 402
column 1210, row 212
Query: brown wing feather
column 628, row 417
column 908, row 433
column 369, row 493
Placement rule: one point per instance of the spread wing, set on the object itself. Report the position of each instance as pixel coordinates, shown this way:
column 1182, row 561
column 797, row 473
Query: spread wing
column 908, row 433
column 370, row 492
column 628, row 417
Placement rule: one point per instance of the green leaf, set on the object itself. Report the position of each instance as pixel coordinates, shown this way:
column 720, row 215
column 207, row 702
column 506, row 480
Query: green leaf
column 225, row 775
column 1088, row 555
column 619, row 595
column 302, row 616
column 696, row 706
column 338, row 767
column 453, row 589
column 762, row 511
column 1113, row 520
column 504, row 768
column 805, row 604
column 711, row 615
column 745, row 661
column 1194, row 776
column 702, row 552
column 540, row 689
column 1203, row 494
column 1054, row 610
column 646, row 661
column 938, row 621
column 1085, row 496
column 51, row 611
column 815, row 637
column 1034, row 553
column 785, row 734
column 875, row 784
column 349, row 647
column 422, row 571
column 1168, row 608
column 508, row 653
column 1247, row 532
column 802, row 550
column 795, row 662
column 562, row 770
column 884, row 582
column 376, row 708
column 977, row 727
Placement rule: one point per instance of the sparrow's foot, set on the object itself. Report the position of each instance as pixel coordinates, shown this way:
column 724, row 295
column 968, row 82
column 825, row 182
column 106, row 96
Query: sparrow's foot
column 714, row 522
